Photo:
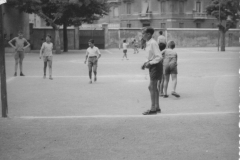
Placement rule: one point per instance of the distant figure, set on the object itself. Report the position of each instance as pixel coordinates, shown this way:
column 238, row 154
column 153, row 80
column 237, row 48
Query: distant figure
column 19, row 51
column 92, row 54
column 46, row 53
column 135, row 46
column 170, row 67
column 125, row 44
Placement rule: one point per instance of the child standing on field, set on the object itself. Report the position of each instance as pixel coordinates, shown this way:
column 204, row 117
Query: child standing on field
column 46, row 54
column 19, row 51
column 125, row 44
column 170, row 67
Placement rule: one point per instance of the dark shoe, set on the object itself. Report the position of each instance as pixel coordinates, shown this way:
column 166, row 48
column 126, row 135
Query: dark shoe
column 165, row 96
column 15, row 74
column 95, row 79
column 161, row 95
column 21, row 74
column 175, row 94
column 50, row 78
column 158, row 110
column 149, row 112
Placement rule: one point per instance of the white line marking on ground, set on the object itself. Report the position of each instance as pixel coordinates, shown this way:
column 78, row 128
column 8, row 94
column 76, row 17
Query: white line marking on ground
column 10, row 79
column 132, row 76
column 125, row 116
column 108, row 51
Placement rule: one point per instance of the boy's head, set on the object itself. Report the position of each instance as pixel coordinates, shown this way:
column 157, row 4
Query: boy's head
column 171, row 44
column 147, row 33
column 160, row 32
column 48, row 38
column 20, row 34
column 91, row 43
column 124, row 41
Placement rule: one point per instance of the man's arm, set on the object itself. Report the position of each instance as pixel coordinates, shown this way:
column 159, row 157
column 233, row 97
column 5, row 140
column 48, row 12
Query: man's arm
column 10, row 43
column 41, row 50
column 28, row 44
column 99, row 54
column 86, row 57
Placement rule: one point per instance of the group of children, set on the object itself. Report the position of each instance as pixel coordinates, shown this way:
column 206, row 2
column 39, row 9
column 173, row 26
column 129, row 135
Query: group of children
column 161, row 63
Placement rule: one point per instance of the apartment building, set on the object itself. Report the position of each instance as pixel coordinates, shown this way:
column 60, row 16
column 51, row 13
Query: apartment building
column 159, row 14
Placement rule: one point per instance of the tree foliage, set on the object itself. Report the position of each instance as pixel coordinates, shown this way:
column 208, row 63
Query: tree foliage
column 229, row 12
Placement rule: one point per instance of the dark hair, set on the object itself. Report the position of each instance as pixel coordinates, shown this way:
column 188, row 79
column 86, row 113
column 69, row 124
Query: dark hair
column 124, row 41
column 49, row 36
column 160, row 32
column 171, row 44
column 149, row 30
column 91, row 40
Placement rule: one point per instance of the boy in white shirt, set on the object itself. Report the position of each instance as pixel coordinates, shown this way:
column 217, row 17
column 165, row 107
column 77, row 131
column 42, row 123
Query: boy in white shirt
column 125, row 44
column 46, row 54
column 154, row 63
column 92, row 54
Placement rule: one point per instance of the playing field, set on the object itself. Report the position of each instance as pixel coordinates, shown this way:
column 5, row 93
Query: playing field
column 69, row 119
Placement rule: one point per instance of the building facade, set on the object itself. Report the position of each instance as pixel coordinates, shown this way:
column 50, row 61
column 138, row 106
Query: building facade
column 159, row 14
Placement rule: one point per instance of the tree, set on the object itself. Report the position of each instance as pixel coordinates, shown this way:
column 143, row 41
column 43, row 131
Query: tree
column 77, row 12
column 227, row 12
column 63, row 12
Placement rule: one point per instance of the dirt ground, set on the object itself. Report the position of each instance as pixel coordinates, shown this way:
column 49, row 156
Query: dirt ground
column 69, row 119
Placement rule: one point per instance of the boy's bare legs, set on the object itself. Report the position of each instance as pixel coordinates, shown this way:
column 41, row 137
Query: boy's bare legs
column 16, row 67
column 174, row 81
column 95, row 72
column 90, row 73
column 165, row 86
column 160, row 86
column 50, row 69
column 44, row 69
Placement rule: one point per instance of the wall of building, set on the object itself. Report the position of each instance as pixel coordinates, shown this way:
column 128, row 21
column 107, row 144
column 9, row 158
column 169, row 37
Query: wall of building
column 14, row 21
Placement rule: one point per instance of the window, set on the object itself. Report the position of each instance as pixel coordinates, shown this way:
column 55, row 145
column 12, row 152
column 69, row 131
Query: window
column 128, row 8
column 181, row 25
column 198, row 25
column 163, row 7
column 146, row 24
column 115, row 12
column 198, row 6
column 128, row 25
column 145, row 6
column 163, row 25
column 181, row 7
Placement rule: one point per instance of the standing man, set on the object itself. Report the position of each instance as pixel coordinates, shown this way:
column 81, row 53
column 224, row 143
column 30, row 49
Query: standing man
column 19, row 50
column 154, row 58
column 92, row 54
column 162, row 45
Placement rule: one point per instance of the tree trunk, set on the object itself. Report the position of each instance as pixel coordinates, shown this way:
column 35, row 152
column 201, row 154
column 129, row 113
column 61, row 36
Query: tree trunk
column 65, row 38
column 222, row 40
column 57, row 41
column 3, row 69
column 76, row 37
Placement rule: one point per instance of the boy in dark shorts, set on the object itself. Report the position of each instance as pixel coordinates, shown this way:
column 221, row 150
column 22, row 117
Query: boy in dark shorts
column 170, row 67
column 19, row 51
column 154, row 58
column 92, row 54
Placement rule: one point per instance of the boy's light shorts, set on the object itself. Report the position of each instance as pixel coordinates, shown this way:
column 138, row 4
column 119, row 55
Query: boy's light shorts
column 47, row 58
column 19, row 55
column 92, row 61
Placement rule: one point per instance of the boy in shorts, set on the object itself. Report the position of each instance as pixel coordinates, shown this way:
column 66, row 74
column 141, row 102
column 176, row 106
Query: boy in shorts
column 154, row 58
column 46, row 54
column 19, row 51
column 125, row 44
column 92, row 54
column 170, row 67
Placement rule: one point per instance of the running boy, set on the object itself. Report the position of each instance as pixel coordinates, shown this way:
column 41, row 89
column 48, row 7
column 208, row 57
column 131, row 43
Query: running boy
column 170, row 67
column 46, row 54
column 19, row 51
column 154, row 58
column 92, row 54
column 135, row 46
column 125, row 44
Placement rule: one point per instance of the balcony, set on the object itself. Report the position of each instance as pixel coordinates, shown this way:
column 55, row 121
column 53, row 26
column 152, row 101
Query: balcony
column 145, row 16
column 200, row 15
